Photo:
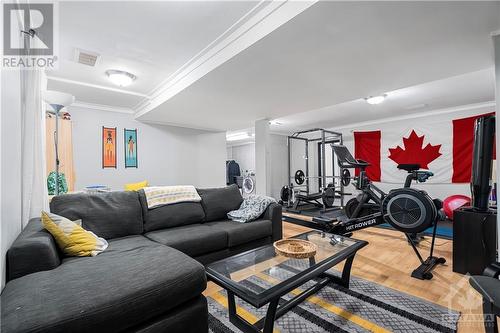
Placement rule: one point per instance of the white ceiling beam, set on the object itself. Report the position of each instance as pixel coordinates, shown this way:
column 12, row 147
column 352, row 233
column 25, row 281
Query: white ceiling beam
column 263, row 19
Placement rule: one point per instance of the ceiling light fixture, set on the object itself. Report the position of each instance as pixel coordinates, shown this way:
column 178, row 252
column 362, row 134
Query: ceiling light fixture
column 237, row 136
column 375, row 99
column 120, row 78
column 275, row 123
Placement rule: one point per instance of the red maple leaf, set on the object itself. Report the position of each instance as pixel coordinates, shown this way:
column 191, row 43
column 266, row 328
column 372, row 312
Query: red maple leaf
column 414, row 153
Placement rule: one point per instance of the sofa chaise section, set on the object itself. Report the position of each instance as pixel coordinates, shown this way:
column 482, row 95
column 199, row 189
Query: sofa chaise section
column 135, row 281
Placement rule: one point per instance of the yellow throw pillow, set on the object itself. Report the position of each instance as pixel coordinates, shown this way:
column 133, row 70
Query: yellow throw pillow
column 72, row 238
column 136, row 186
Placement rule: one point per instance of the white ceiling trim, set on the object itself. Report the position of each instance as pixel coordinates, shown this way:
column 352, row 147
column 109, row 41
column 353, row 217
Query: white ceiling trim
column 418, row 115
column 102, row 107
column 261, row 20
column 97, row 86
column 165, row 123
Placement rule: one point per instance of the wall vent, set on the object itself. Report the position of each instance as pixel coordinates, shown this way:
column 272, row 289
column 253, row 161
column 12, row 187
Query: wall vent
column 86, row 58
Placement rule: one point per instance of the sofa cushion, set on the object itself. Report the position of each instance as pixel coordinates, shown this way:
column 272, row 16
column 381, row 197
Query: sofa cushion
column 133, row 281
column 241, row 233
column 217, row 202
column 108, row 215
column 72, row 239
column 193, row 239
column 169, row 216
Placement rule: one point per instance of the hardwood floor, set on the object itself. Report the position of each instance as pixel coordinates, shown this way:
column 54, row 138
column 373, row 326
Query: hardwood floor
column 388, row 260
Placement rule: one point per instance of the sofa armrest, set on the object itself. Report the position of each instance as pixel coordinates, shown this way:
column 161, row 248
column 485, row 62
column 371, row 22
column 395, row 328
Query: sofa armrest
column 273, row 213
column 33, row 250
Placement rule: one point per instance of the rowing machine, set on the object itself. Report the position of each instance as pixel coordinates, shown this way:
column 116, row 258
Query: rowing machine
column 406, row 209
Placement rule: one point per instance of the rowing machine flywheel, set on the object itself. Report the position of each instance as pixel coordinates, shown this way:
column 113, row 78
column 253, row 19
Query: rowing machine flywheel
column 409, row 210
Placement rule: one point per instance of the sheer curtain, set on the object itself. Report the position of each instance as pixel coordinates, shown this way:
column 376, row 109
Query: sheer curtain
column 33, row 173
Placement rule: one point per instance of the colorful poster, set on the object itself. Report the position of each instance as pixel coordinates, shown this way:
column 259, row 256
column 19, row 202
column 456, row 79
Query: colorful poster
column 108, row 147
column 130, row 144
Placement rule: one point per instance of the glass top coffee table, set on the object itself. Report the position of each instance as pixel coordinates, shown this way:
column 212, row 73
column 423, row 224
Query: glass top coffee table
column 231, row 272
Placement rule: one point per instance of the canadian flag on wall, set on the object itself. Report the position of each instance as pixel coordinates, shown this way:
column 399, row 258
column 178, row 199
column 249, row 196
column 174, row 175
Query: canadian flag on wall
column 444, row 147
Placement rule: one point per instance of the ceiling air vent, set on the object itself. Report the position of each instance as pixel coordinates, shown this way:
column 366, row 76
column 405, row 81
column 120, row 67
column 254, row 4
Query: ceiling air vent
column 86, row 58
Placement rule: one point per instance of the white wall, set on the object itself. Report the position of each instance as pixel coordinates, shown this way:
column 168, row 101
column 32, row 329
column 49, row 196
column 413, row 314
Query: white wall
column 435, row 190
column 211, row 159
column 166, row 155
column 10, row 142
column 244, row 155
column 279, row 164
column 262, row 157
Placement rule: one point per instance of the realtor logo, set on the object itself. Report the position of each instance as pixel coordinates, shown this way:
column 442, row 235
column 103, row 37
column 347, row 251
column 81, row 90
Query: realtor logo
column 29, row 35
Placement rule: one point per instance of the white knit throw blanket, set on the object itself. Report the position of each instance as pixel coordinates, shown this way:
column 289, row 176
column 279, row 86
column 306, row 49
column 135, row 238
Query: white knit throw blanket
column 167, row 195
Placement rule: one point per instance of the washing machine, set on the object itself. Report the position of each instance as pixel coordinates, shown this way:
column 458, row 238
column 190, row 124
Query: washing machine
column 248, row 184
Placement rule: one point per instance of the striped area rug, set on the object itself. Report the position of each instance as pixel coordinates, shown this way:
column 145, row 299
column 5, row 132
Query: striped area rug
column 364, row 307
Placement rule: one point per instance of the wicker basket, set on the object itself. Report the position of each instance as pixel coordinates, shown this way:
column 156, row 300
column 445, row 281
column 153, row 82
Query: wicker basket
column 295, row 248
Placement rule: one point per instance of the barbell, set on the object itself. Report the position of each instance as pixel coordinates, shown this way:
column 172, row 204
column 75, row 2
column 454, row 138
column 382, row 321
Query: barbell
column 345, row 178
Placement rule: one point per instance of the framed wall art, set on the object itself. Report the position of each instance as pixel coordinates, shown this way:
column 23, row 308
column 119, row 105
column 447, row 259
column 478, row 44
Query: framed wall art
column 130, row 144
column 108, row 147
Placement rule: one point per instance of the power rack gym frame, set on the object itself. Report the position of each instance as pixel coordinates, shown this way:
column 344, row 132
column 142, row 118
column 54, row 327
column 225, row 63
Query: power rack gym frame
column 298, row 191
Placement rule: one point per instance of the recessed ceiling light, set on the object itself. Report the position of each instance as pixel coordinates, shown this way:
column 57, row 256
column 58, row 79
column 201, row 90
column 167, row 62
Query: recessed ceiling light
column 375, row 99
column 275, row 123
column 120, row 78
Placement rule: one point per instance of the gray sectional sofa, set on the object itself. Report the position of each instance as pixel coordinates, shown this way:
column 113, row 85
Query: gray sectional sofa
column 151, row 277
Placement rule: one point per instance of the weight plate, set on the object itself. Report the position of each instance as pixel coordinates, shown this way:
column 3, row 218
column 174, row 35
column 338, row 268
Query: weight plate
column 346, row 177
column 300, row 177
column 328, row 197
column 285, row 193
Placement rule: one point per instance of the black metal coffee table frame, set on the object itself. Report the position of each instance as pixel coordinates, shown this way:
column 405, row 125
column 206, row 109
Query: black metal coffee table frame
column 273, row 295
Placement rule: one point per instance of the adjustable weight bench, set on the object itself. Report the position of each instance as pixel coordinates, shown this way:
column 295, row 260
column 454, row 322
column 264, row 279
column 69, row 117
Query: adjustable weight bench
column 312, row 198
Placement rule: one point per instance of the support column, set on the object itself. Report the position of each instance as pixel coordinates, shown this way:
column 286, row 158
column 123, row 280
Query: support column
column 262, row 157
column 496, row 45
